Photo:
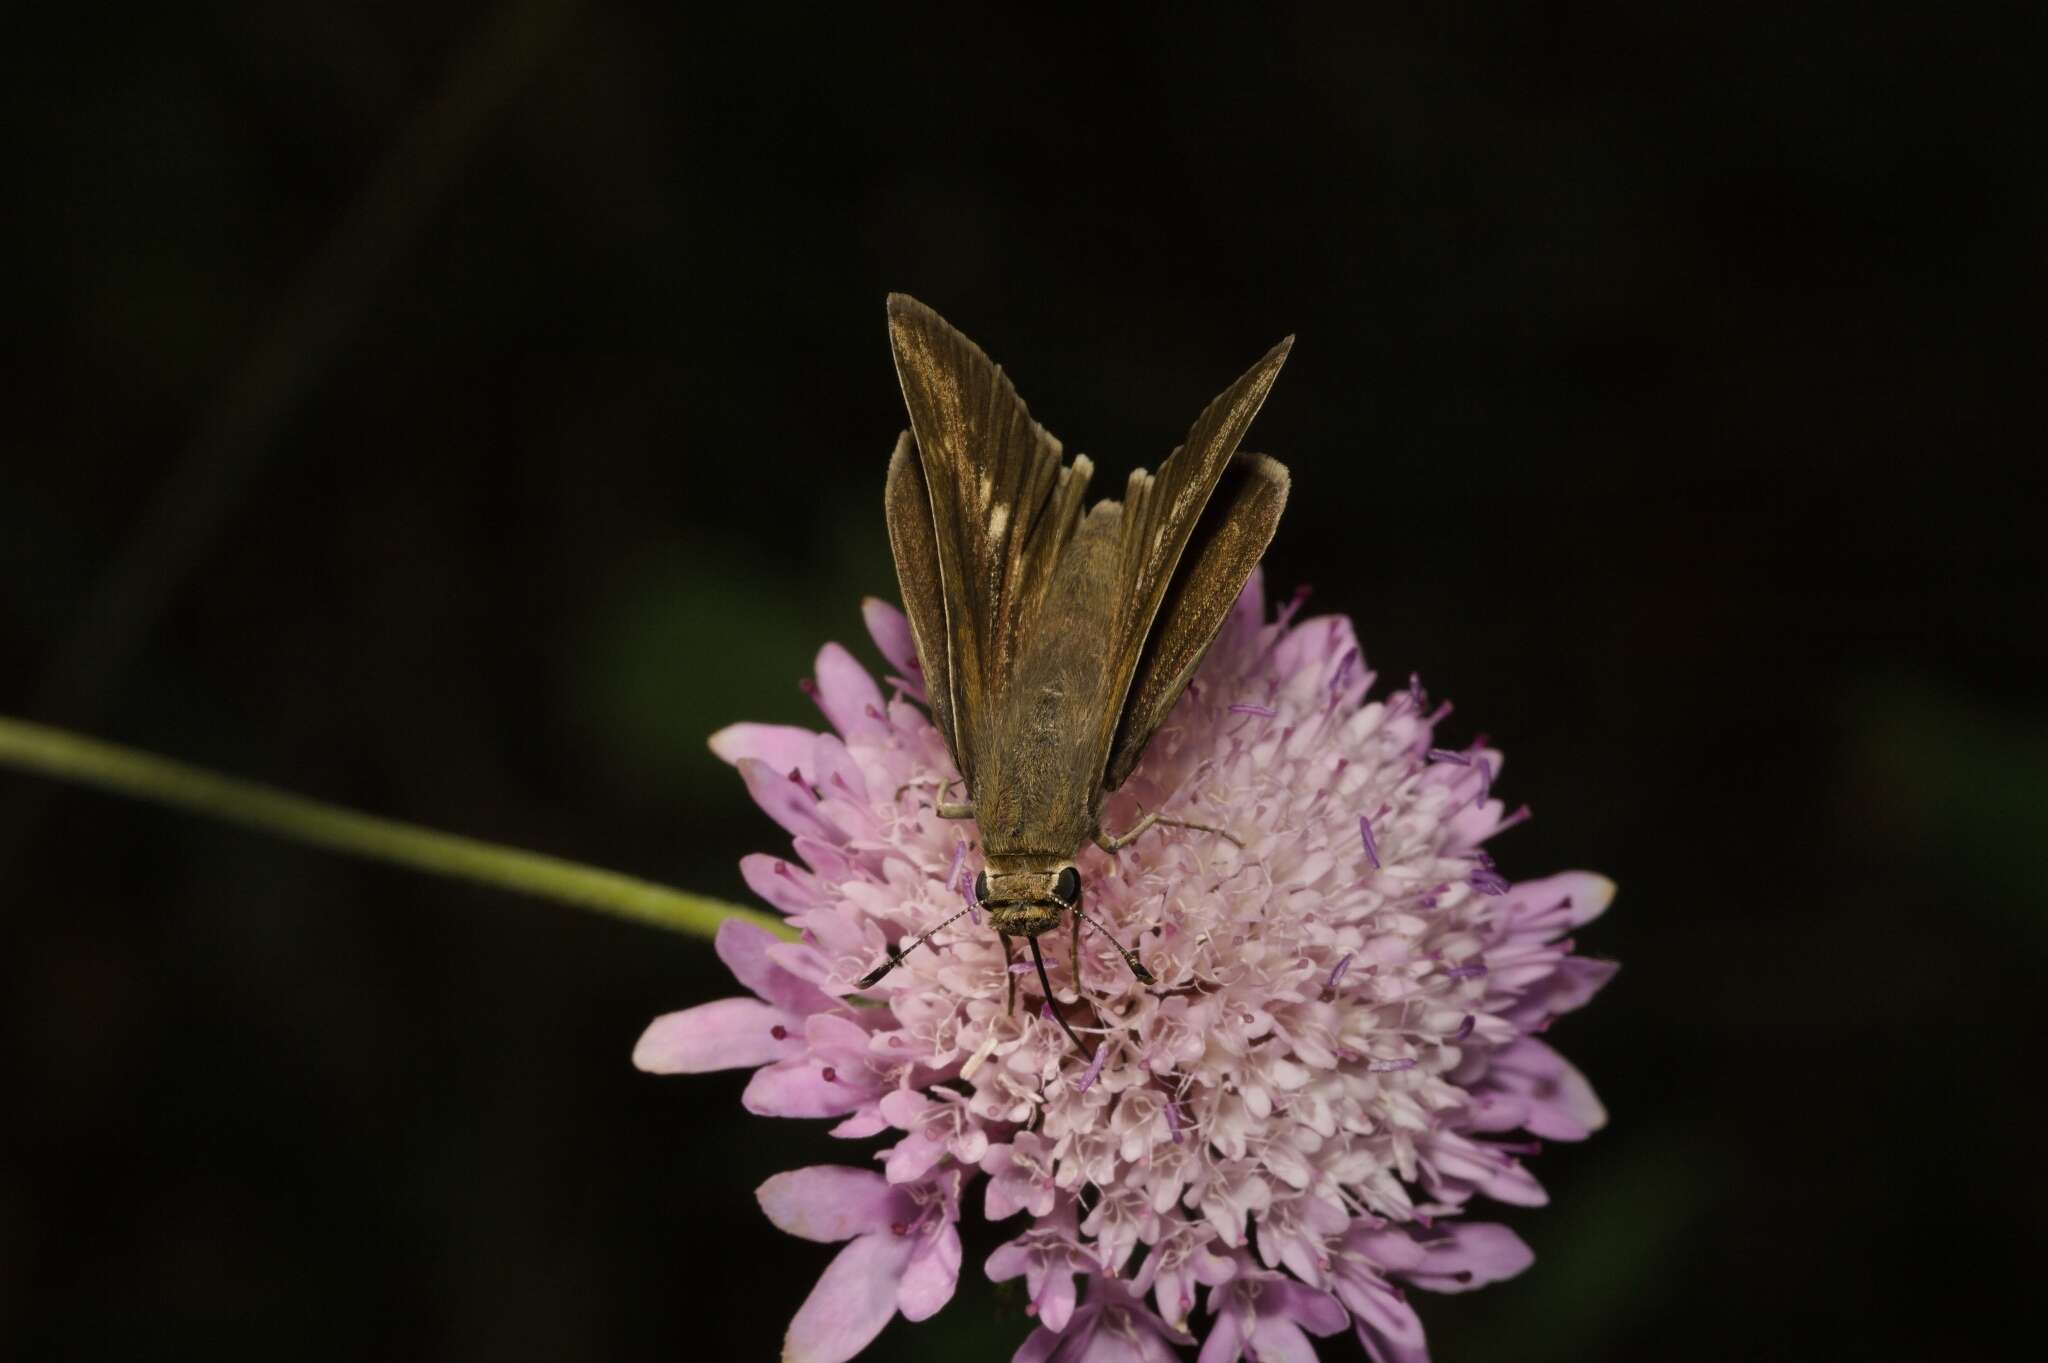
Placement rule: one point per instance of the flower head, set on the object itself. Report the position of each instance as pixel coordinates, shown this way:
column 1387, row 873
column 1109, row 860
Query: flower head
column 1284, row 1126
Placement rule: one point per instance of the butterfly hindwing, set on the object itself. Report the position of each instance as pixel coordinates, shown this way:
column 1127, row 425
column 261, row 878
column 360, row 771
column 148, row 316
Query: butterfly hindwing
column 1184, row 556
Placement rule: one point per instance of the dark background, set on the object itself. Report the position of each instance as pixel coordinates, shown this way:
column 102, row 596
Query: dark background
column 460, row 413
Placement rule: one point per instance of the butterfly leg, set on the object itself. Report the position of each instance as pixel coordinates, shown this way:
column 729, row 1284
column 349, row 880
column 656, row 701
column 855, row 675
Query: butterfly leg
column 1075, row 956
column 947, row 809
column 1113, row 843
column 1011, row 1005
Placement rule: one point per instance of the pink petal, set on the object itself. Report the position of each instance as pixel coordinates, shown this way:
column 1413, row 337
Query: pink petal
column 830, row 1202
column 905, row 1108
column 1561, row 1103
column 1312, row 1310
column 848, row 695
column 1038, row 1346
column 1276, row 1339
column 839, row 776
column 912, row 1158
column 798, row 1088
column 1473, row 1254
column 747, row 951
column 783, row 886
column 1516, row 1186
column 844, row 1037
column 1225, row 1343
column 1568, row 900
column 1387, row 1325
column 1010, row 1260
column 1573, row 985
column 726, row 1035
column 1112, row 1346
column 801, row 961
column 865, row 1122
column 1590, row 893
column 783, row 747
column 1055, row 1300
column 851, row 1303
column 825, row 858
column 890, row 629
column 933, row 1273
column 787, row 802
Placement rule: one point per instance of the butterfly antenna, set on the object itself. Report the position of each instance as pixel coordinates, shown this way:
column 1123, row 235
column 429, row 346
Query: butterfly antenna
column 1038, row 959
column 1130, row 957
column 896, row 958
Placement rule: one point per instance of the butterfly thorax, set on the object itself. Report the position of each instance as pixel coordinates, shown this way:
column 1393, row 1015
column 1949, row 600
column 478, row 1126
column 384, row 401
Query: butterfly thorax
column 1038, row 782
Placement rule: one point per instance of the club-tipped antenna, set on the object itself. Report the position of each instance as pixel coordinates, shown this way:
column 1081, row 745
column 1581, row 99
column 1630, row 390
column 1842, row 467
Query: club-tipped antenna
column 1130, row 957
column 874, row 977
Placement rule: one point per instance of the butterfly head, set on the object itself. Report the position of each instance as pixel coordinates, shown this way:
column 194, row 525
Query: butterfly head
column 1025, row 902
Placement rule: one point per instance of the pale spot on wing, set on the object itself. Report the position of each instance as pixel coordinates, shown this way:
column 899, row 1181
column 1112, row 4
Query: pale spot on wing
column 998, row 519
column 986, row 489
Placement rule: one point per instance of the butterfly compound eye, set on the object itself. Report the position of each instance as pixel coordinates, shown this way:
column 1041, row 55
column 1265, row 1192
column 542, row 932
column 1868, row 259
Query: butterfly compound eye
column 981, row 887
column 1068, row 886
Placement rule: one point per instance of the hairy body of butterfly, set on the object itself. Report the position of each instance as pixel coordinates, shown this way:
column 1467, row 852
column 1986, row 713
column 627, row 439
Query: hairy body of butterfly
column 1054, row 639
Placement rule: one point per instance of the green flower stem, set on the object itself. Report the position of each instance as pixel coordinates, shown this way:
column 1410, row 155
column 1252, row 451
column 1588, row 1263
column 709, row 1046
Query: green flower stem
column 107, row 766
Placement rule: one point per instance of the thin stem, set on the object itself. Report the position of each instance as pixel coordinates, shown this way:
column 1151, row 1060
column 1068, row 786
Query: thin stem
column 107, row 766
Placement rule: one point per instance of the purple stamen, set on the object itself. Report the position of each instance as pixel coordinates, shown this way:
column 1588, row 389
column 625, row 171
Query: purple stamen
column 1465, row 1028
column 830, row 1075
column 1173, row 1120
column 1457, row 759
column 1521, row 815
column 1488, row 881
column 1372, row 851
column 808, row 687
column 1344, row 666
column 1265, row 710
column 1389, row 1066
column 1485, row 778
column 1519, row 1147
column 1094, row 1070
column 1465, row 972
column 874, row 711
column 1045, row 1011
column 1416, row 694
column 1337, row 971
column 1442, row 713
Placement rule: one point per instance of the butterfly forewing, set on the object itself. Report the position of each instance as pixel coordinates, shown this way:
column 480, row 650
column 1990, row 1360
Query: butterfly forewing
column 1001, row 504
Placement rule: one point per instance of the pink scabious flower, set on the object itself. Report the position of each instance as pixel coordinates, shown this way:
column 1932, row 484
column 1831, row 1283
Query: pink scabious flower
column 1285, row 1128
